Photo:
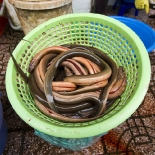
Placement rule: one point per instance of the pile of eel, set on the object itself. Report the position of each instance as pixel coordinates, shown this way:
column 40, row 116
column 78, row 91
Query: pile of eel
column 74, row 83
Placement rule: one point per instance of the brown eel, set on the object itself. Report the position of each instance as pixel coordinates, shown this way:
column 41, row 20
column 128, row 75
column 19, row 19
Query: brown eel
column 105, row 91
column 92, row 105
column 83, row 78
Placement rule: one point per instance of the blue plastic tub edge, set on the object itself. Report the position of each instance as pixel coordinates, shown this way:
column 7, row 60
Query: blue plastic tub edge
column 3, row 136
column 144, row 31
column 3, row 130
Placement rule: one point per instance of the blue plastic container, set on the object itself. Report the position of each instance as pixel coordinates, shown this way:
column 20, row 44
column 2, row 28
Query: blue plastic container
column 3, row 130
column 125, row 5
column 73, row 144
column 145, row 32
column 128, row 1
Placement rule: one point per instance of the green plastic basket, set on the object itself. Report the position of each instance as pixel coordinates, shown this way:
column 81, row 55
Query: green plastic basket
column 102, row 32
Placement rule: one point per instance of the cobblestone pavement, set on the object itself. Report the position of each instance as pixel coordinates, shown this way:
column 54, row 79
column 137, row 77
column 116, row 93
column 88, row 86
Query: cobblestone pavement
column 136, row 136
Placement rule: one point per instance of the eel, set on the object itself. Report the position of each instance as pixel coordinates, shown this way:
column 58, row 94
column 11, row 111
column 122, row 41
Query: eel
column 105, row 91
column 96, row 77
column 36, row 59
column 51, row 107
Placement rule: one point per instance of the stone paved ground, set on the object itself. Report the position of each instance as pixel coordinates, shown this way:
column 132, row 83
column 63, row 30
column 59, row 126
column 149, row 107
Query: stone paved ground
column 136, row 136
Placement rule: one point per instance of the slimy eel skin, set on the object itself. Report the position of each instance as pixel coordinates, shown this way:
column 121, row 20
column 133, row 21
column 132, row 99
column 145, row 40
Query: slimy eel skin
column 74, row 80
column 85, row 78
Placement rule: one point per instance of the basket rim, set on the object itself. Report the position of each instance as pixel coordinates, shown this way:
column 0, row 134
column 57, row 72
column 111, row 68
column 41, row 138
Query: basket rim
column 94, row 129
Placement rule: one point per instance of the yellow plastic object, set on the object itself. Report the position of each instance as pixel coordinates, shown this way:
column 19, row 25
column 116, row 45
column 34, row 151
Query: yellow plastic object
column 142, row 4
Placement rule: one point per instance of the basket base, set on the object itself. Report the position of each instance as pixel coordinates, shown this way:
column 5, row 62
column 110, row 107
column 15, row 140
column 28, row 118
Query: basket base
column 73, row 144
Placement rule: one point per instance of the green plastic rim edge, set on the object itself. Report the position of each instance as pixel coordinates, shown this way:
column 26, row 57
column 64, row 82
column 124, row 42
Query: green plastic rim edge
column 94, row 129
